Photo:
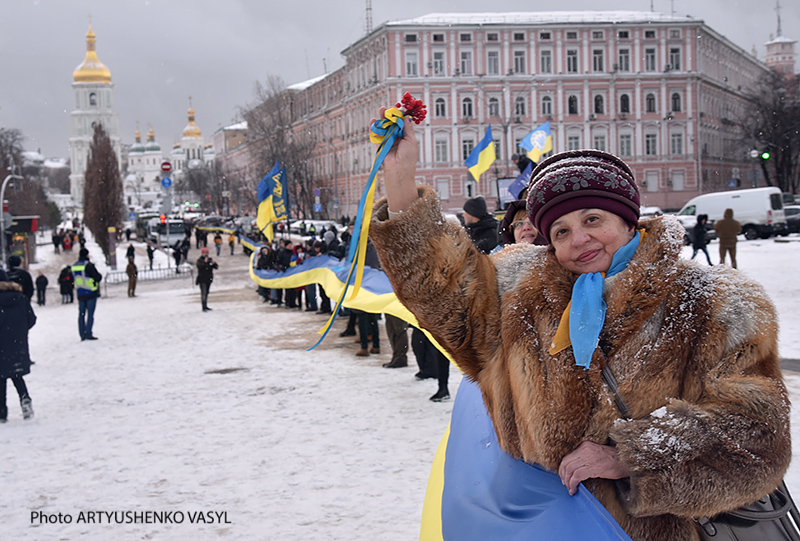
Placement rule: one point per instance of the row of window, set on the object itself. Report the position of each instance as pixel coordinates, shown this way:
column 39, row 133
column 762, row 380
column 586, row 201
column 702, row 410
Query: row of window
column 519, row 61
column 520, row 105
column 467, row 37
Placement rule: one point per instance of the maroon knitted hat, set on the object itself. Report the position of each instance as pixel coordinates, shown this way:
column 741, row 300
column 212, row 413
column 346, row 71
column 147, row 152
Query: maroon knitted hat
column 581, row 179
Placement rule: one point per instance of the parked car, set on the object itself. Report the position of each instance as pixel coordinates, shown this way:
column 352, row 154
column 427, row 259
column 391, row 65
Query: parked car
column 792, row 213
column 759, row 210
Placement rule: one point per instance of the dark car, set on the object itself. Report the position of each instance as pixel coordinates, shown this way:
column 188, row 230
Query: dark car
column 792, row 213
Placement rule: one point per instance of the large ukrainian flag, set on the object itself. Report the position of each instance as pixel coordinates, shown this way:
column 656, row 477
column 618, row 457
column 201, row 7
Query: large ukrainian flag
column 538, row 142
column 482, row 156
column 271, row 200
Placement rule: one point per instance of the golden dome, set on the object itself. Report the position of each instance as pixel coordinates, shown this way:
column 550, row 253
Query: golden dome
column 191, row 129
column 91, row 70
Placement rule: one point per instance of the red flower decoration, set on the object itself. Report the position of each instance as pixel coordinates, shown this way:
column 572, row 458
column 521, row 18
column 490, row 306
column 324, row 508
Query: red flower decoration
column 413, row 108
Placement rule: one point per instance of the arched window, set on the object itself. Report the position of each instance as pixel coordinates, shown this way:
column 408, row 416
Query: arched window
column 624, row 104
column 599, row 106
column 519, row 106
column 572, row 105
column 466, row 107
column 440, row 109
column 547, row 105
column 650, row 103
column 92, row 99
column 676, row 103
column 494, row 107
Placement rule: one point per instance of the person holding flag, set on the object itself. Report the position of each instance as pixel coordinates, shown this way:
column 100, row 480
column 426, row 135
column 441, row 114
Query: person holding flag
column 272, row 203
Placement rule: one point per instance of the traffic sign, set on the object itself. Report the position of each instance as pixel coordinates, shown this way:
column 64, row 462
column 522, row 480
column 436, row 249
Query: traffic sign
column 316, row 191
column 131, row 216
column 317, row 207
column 166, row 182
column 166, row 166
column 732, row 183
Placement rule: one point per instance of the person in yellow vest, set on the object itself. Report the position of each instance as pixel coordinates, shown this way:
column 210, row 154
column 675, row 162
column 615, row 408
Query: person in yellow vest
column 231, row 241
column 87, row 281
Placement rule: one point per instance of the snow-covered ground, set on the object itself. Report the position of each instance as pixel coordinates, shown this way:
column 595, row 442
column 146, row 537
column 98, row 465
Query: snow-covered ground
column 176, row 410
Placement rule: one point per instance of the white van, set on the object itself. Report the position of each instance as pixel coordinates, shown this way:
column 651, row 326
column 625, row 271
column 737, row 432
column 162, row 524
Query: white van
column 759, row 210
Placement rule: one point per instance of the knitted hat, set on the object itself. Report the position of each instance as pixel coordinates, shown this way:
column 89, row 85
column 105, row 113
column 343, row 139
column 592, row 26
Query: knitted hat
column 14, row 261
column 475, row 207
column 329, row 236
column 83, row 254
column 204, row 251
column 581, row 179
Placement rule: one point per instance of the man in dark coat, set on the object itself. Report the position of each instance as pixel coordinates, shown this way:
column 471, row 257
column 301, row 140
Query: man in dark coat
column 41, row 287
column 21, row 276
column 480, row 225
column 87, row 281
column 150, row 251
column 699, row 237
column 130, row 252
column 521, row 161
column 266, row 261
column 727, row 228
column 205, row 275
column 16, row 317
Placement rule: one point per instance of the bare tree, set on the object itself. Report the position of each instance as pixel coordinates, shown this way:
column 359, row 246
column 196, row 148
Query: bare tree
column 102, row 189
column 772, row 124
column 10, row 148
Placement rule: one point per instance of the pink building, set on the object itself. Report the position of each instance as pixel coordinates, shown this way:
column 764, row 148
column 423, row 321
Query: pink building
column 663, row 92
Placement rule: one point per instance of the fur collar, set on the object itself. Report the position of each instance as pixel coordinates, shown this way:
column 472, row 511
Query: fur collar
column 10, row 286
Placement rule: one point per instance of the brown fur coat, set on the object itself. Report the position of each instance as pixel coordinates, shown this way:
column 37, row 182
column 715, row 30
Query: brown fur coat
column 694, row 350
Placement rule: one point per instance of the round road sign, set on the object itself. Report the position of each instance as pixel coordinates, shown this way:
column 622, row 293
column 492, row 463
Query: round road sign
column 166, row 166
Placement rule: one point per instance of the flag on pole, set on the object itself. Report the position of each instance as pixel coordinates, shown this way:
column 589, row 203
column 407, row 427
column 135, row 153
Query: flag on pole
column 521, row 182
column 538, row 142
column 271, row 200
column 482, row 156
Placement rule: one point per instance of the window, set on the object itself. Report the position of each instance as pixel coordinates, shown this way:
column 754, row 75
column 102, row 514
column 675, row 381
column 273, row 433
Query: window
column 494, row 107
column 547, row 105
column 519, row 36
column 411, row 64
column 492, row 36
column 624, row 104
column 650, row 144
column 676, row 102
column 675, row 33
column 574, row 142
column 467, row 145
column 438, row 63
column 623, row 34
column 597, row 59
column 438, row 38
column 519, row 106
column 572, row 61
column 411, row 38
column 546, row 61
column 649, row 60
column 465, row 38
column 572, row 35
column 466, row 107
column 600, row 142
column 440, row 151
column 572, row 105
column 92, row 99
column 624, row 60
column 493, row 63
column 625, row 145
column 599, row 105
column 677, row 181
column 443, row 187
column 650, row 103
column 675, row 59
column 466, row 62
column 519, row 61
column 597, row 34
column 649, row 34
column 544, row 35
column 439, row 108
column 676, row 144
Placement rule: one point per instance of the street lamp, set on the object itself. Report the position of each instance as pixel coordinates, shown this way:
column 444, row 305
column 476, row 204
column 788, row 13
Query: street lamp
column 2, row 215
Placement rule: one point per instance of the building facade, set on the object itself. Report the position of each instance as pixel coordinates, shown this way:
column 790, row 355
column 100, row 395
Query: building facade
column 663, row 92
column 93, row 94
column 142, row 186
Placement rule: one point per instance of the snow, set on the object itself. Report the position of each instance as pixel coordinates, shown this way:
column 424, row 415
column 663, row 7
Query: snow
column 175, row 411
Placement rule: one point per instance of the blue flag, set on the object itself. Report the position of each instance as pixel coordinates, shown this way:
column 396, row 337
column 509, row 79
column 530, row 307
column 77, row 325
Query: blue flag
column 538, row 142
column 521, row 182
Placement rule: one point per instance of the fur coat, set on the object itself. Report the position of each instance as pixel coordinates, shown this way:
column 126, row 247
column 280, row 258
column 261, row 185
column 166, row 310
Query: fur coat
column 694, row 350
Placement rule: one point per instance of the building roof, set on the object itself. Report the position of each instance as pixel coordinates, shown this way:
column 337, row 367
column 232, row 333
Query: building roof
column 541, row 17
column 306, row 84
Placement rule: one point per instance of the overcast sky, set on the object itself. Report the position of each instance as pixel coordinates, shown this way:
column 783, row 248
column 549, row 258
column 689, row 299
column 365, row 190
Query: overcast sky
column 160, row 52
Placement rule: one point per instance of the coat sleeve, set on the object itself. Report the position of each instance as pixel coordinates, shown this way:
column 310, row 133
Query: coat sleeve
column 439, row 275
column 725, row 442
column 31, row 316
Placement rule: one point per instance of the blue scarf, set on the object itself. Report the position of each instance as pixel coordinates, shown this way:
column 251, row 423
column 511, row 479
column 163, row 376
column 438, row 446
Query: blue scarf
column 588, row 310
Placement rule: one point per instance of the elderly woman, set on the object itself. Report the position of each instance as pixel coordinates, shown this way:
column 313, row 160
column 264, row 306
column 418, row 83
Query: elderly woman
column 693, row 349
column 517, row 228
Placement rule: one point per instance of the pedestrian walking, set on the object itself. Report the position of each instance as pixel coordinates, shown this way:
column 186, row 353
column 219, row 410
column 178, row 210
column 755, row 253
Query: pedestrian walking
column 87, row 281
column 231, row 241
column 150, row 251
column 699, row 240
column 133, row 274
column 218, row 242
column 66, row 285
column 41, row 287
column 16, row 318
column 205, row 275
column 727, row 228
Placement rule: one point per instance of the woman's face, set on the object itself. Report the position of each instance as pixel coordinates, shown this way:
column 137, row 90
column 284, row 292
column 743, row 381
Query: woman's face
column 585, row 240
column 524, row 232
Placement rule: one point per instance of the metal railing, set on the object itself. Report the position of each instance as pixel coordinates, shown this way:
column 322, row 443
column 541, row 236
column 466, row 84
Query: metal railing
column 185, row 270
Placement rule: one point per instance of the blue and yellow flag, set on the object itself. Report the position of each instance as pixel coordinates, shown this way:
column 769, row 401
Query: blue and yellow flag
column 482, row 156
column 538, row 142
column 272, row 200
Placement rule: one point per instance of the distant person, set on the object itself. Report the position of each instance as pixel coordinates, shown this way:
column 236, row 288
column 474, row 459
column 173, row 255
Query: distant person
column 87, row 281
column 521, row 161
column 130, row 252
column 231, row 241
column 480, row 225
column 133, row 274
column 128, row 233
column 727, row 228
column 177, row 255
column 19, row 275
column 41, row 287
column 699, row 240
column 16, row 318
column 66, row 285
column 205, row 275
column 150, row 251
column 218, row 242
column 56, row 241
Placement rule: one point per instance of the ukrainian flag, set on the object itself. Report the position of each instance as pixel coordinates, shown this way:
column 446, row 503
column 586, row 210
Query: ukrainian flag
column 271, row 200
column 482, row 156
column 538, row 142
